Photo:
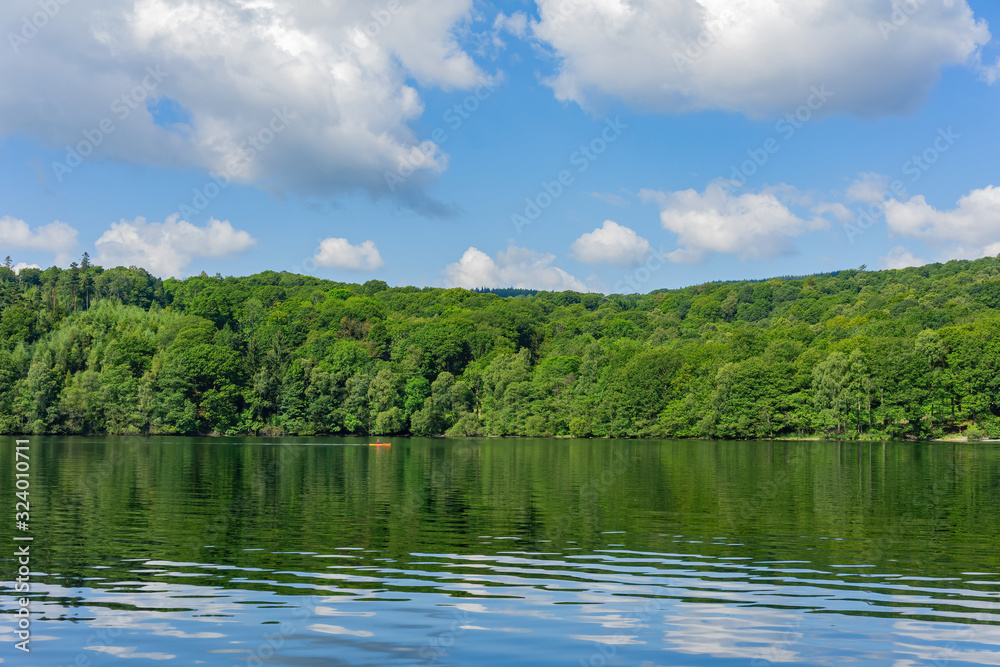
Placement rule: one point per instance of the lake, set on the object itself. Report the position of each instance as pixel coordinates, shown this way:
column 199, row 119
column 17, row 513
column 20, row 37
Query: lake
column 325, row 551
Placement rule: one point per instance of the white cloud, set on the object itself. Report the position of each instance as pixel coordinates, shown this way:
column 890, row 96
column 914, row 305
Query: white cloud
column 516, row 23
column 166, row 248
column 836, row 209
column 515, row 267
column 422, row 38
column 754, row 57
column 900, row 258
column 611, row 243
column 24, row 265
column 57, row 237
column 609, row 198
column 991, row 73
column 868, row 188
column 750, row 225
column 230, row 65
column 338, row 253
column 971, row 229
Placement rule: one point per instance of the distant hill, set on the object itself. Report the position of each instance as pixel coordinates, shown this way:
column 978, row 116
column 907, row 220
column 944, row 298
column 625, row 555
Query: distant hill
column 911, row 353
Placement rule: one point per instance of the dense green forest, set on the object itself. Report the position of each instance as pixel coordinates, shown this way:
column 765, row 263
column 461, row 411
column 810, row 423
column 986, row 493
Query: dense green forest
column 912, row 353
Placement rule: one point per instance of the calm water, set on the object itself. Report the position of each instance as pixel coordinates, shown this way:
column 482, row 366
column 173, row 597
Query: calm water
column 494, row 552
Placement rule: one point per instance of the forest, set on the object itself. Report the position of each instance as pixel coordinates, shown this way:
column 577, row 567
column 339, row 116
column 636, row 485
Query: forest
column 896, row 354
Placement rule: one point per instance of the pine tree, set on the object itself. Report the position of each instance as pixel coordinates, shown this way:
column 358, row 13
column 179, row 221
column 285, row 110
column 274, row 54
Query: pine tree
column 74, row 281
column 86, row 281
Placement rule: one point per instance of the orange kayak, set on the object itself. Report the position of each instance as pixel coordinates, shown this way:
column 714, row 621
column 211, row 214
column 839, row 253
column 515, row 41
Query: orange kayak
column 379, row 444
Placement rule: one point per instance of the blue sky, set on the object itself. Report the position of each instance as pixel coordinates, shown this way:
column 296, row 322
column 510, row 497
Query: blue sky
column 683, row 140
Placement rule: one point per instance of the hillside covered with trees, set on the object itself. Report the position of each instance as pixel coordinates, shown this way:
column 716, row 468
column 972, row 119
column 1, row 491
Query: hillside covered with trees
column 888, row 354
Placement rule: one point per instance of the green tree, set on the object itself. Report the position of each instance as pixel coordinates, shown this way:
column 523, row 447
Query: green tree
column 830, row 386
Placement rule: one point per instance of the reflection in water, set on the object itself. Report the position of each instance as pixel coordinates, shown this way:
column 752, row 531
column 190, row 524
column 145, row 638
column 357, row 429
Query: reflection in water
column 751, row 633
column 499, row 552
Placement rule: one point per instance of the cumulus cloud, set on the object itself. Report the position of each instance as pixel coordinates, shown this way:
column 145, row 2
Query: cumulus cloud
column 229, row 69
column 515, row 267
column 24, row 265
column 338, row 253
column 971, row 229
column 754, row 57
column 57, row 237
column 750, row 226
column 611, row 243
column 167, row 248
column 900, row 258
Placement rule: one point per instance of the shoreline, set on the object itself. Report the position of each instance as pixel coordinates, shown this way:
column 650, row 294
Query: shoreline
column 955, row 439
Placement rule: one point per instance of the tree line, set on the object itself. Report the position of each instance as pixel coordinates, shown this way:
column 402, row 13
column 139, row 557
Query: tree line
column 911, row 353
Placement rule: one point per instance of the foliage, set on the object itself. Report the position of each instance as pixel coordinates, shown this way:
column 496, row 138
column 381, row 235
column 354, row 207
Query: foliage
column 912, row 353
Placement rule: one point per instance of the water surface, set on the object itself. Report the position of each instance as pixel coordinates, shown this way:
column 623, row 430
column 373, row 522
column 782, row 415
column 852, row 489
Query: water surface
column 324, row 551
